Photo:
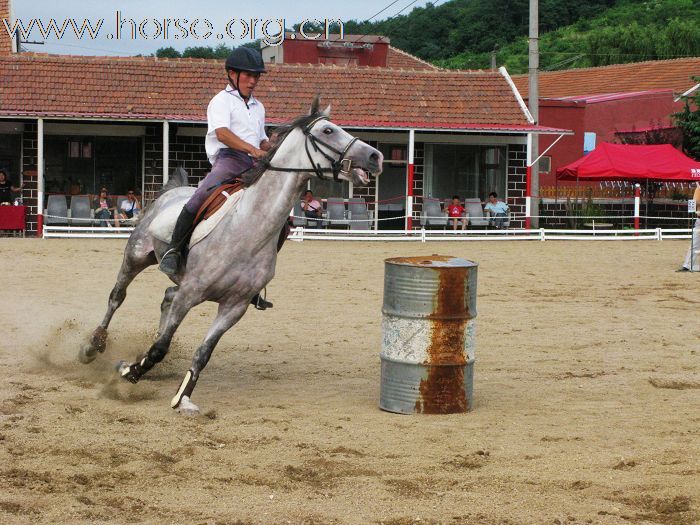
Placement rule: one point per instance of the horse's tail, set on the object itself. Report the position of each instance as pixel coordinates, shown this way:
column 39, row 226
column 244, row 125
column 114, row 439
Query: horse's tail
column 177, row 179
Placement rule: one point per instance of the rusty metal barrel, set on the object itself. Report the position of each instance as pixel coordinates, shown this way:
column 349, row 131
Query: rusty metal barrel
column 428, row 335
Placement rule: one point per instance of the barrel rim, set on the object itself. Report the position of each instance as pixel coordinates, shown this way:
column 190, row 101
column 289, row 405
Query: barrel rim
column 432, row 261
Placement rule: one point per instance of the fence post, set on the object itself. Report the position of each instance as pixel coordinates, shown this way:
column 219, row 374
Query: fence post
column 528, row 204
column 542, row 235
column 422, row 234
column 637, row 200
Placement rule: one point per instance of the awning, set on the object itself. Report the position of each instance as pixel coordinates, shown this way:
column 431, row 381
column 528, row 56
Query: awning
column 625, row 162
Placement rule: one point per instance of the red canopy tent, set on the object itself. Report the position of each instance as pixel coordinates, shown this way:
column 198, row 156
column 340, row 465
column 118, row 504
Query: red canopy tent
column 624, row 162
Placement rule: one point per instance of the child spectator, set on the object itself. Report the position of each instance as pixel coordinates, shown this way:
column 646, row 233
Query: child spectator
column 455, row 211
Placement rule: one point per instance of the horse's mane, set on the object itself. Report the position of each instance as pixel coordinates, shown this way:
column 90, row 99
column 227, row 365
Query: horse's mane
column 252, row 175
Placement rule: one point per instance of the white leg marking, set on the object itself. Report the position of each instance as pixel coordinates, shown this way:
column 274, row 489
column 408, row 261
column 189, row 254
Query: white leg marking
column 187, row 407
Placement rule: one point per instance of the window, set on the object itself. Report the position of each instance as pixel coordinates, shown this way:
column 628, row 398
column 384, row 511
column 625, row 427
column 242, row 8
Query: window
column 464, row 170
column 79, row 149
column 545, row 164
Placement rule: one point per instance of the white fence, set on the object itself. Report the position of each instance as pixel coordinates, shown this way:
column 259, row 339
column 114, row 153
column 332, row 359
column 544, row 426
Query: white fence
column 541, row 234
column 301, row 234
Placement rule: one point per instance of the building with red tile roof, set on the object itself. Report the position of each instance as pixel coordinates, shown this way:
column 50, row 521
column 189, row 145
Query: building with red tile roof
column 614, row 103
column 676, row 75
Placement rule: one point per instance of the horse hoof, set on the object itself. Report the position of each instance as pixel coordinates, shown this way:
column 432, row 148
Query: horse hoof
column 128, row 371
column 187, row 407
column 87, row 354
column 96, row 345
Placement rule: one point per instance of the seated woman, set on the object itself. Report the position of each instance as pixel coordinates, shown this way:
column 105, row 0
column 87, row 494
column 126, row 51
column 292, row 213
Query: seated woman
column 312, row 207
column 102, row 205
column 129, row 209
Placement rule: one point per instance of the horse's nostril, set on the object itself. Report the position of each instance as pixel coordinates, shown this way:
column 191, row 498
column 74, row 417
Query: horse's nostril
column 374, row 156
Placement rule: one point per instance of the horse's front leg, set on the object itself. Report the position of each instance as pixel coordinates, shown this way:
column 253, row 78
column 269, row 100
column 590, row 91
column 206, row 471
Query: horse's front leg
column 130, row 268
column 227, row 316
column 180, row 305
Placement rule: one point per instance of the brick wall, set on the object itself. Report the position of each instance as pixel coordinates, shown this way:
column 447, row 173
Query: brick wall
column 368, row 192
column 189, row 153
column 516, row 183
column 153, row 162
column 5, row 40
column 185, row 151
column 30, row 187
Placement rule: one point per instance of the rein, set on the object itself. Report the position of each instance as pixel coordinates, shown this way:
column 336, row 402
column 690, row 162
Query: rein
column 338, row 166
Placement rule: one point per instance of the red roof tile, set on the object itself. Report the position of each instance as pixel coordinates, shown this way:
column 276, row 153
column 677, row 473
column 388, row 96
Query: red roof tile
column 658, row 74
column 180, row 89
column 399, row 59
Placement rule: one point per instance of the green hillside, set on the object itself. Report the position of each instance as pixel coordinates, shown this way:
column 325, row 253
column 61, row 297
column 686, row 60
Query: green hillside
column 462, row 33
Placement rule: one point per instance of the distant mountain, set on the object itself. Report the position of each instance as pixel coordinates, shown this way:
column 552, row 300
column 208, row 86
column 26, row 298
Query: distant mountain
column 462, row 33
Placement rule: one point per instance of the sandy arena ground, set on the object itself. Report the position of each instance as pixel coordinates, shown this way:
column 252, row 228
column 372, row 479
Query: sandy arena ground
column 587, row 394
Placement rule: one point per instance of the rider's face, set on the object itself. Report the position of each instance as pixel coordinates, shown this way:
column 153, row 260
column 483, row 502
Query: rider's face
column 247, row 82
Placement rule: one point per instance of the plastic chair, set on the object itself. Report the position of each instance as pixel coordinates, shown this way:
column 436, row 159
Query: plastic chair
column 57, row 210
column 359, row 214
column 298, row 218
column 80, row 211
column 432, row 214
column 475, row 212
column 336, row 214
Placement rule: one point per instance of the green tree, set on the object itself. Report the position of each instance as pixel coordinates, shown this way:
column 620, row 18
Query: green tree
column 168, row 52
column 689, row 121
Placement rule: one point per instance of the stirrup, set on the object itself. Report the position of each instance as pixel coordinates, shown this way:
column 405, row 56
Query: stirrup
column 170, row 262
column 260, row 303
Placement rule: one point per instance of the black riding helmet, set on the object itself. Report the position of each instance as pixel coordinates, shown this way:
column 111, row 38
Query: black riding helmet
column 245, row 59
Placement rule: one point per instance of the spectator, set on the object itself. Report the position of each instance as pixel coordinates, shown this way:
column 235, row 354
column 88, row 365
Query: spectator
column 102, row 206
column 498, row 210
column 311, row 207
column 455, row 211
column 130, row 208
column 692, row 258
column 6, row 187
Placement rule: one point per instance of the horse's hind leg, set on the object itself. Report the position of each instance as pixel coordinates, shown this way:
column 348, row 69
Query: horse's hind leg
column 226, row 317
column 180, row 305
column 130, row 268
column 165, row 307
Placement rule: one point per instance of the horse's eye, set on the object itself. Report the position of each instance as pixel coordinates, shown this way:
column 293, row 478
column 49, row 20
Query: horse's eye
column 327, row 131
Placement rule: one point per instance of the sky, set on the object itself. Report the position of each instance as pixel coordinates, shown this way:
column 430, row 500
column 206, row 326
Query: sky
column 213, row 19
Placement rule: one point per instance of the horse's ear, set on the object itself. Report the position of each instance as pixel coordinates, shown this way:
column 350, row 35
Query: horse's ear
column 327, row 112
column 315, row 104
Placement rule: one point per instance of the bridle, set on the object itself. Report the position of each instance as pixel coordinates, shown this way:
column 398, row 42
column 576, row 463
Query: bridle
column 338, row 166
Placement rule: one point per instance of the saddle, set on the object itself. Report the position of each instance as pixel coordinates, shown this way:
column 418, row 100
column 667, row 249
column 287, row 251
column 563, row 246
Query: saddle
column 216, row 200
column 219, row 204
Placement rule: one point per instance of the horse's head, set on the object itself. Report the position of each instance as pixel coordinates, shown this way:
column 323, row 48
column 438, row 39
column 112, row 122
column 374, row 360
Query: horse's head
column 328, row 150
column 356, row 159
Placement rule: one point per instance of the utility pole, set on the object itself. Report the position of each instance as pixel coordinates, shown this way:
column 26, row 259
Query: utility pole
column 534, row 103
column 493, row 58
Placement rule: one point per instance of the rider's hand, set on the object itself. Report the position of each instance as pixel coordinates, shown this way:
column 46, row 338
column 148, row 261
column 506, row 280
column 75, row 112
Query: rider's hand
column 257, row 153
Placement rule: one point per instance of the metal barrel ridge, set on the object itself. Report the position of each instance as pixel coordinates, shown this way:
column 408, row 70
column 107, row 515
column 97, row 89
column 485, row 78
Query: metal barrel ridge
column 428, row 335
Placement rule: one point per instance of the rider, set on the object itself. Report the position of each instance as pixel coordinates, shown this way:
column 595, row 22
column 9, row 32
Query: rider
column 235, row 138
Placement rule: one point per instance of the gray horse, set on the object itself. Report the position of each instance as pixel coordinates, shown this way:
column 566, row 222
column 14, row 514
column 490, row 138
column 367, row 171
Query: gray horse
column 237, row 259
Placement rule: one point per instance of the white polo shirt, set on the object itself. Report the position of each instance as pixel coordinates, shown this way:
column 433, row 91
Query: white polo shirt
column 228, row 110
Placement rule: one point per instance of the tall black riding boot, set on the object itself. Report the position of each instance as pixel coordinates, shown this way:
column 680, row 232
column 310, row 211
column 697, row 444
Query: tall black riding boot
column 170, row 262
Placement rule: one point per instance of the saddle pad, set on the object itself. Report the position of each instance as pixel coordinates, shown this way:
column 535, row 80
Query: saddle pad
column 205, row 227
column 164, row 223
